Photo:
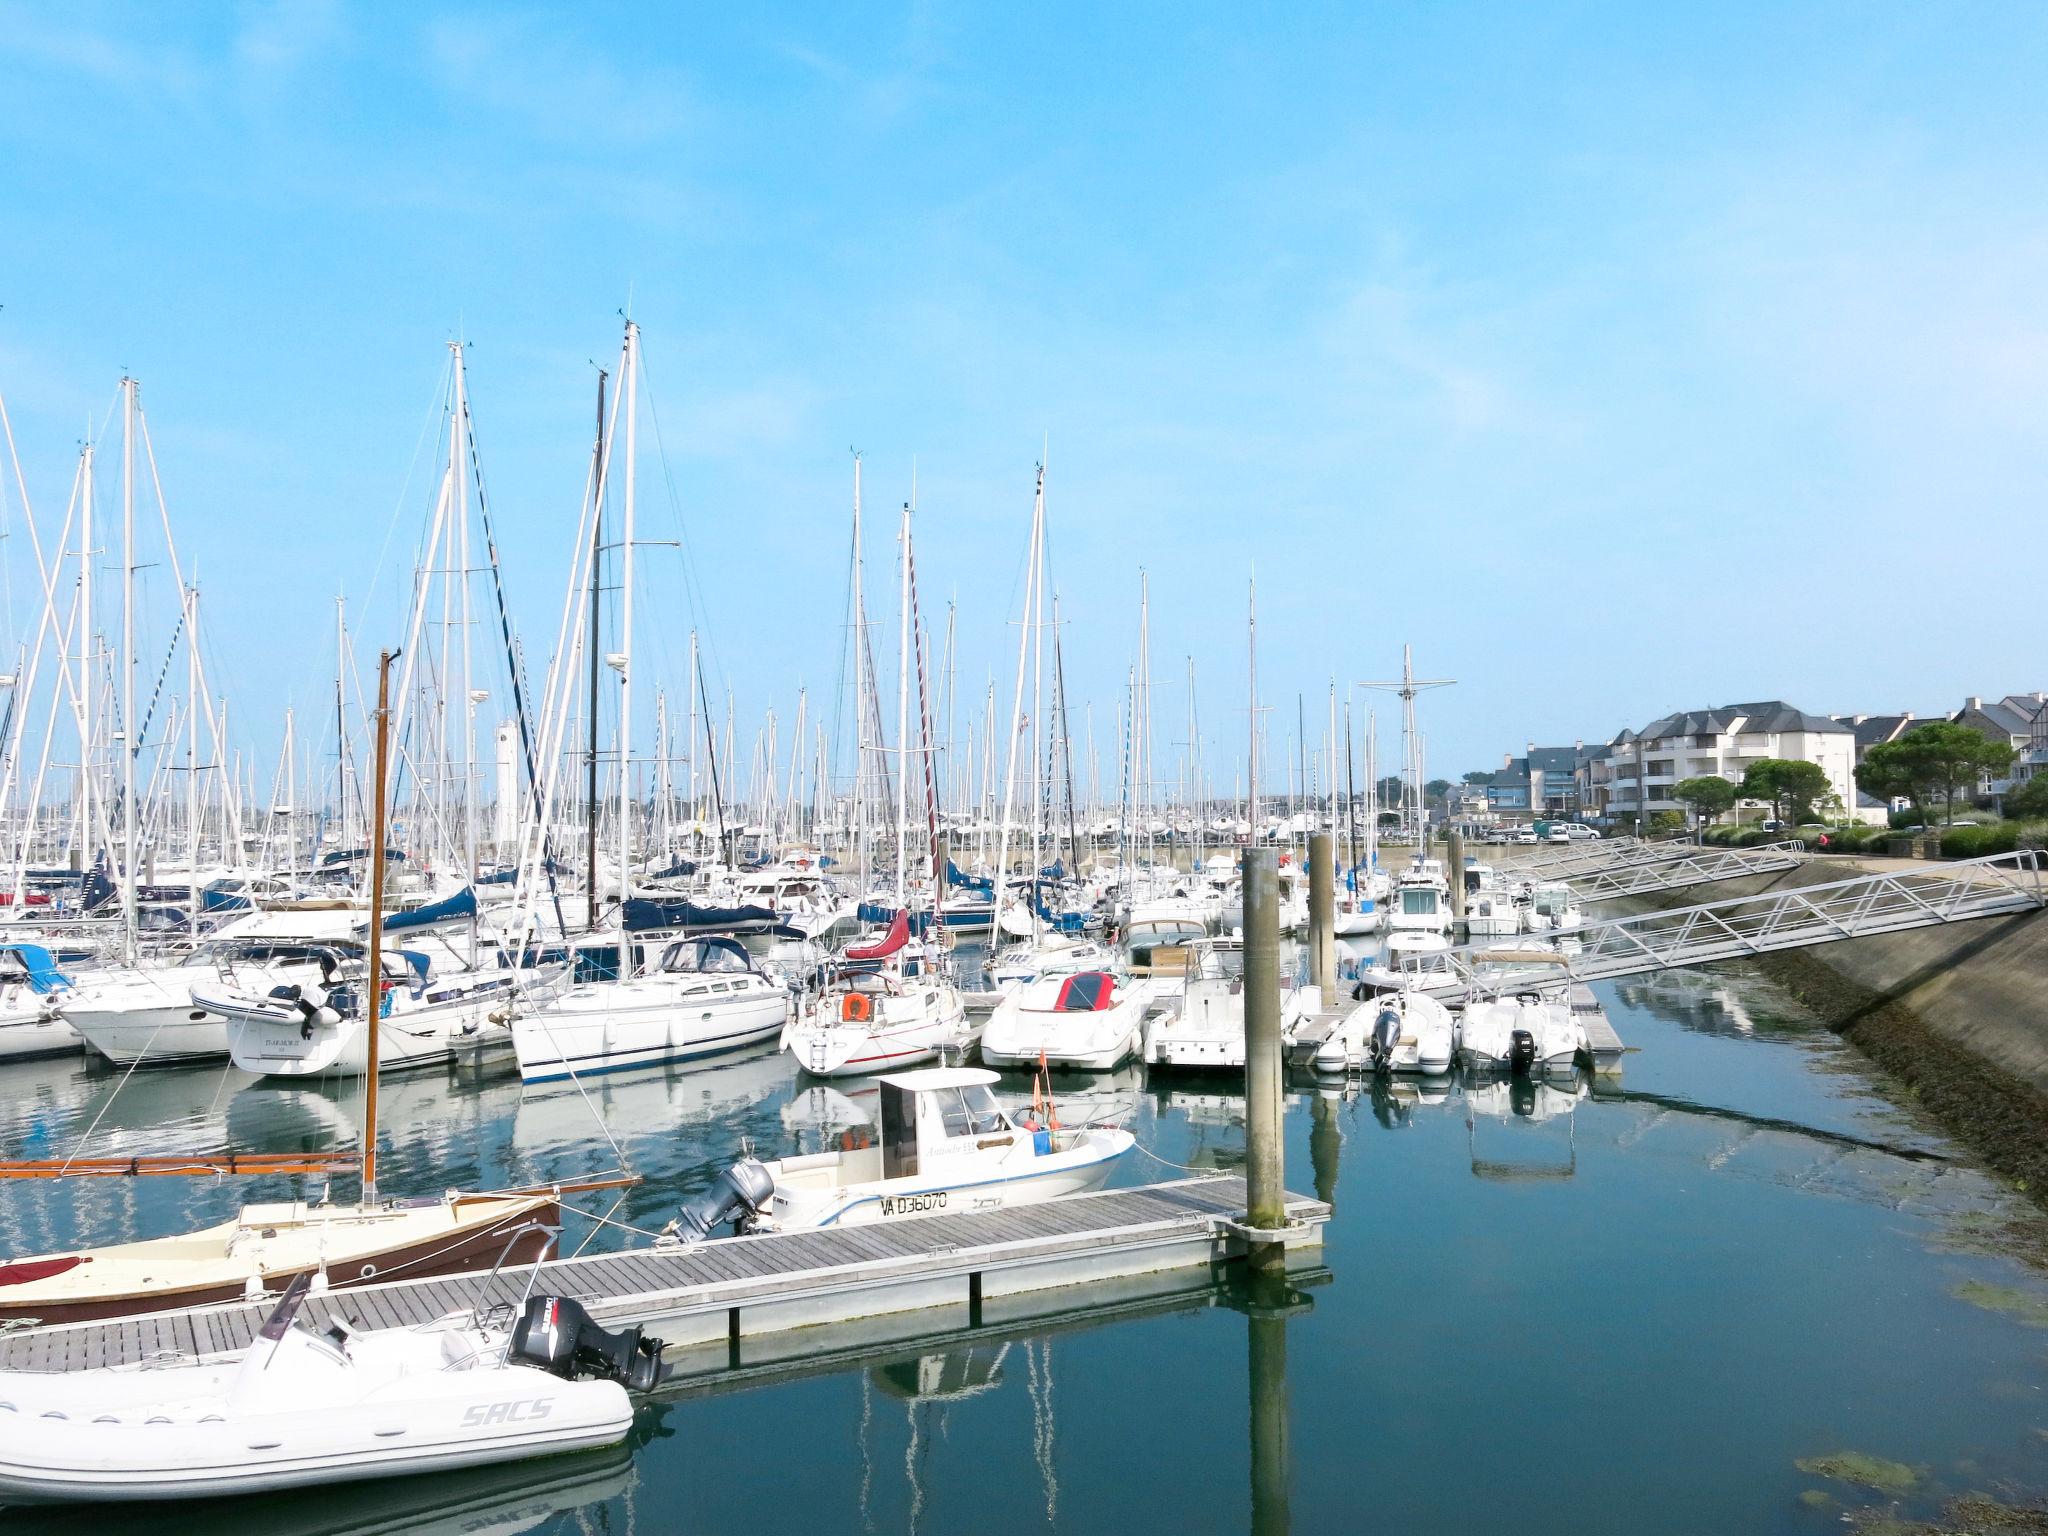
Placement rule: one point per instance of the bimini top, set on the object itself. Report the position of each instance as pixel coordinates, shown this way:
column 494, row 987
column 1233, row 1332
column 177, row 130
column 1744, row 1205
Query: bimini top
column 927, row 1078
column 1086, row 992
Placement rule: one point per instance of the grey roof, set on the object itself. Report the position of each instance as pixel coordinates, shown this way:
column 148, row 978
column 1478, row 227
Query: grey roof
column 1553, row 759
column 1873, row 730
column 1996, row 719
column 1772, row 715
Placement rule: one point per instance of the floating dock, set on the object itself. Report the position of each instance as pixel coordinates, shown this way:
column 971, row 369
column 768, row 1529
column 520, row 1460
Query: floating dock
column 732, row 1288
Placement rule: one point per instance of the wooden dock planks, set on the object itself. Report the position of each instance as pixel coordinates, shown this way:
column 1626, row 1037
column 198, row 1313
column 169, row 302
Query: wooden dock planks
column 731, row 1272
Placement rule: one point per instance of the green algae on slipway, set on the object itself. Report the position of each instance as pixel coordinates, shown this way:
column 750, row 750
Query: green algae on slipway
column 1867, row 1471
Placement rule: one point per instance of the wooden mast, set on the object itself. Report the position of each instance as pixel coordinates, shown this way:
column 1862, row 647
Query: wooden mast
column 374, row 985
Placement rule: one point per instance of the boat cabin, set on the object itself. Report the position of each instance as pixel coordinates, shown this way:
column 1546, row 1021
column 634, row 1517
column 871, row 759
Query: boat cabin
column 940, row 1116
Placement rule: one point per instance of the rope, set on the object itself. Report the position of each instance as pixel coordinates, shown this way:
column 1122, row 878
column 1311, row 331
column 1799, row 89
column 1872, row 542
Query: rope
column 1183, row 1167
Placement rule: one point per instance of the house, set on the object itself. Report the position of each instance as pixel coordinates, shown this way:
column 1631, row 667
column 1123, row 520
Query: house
column 2014, row 720
column 1543, row 782
column 1642, row 767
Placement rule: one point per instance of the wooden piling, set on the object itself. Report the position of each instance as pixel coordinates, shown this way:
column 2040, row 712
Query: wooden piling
column 1454, row 848
column 1322, row 914
column 1265, row 1162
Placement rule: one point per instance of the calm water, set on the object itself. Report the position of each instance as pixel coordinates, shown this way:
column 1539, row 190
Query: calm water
column 1617, row 1313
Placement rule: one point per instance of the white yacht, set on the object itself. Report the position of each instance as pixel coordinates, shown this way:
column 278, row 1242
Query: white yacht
column 884, row 1006
column 1520, row 1018
column 1553, row 908
column 701, row 997
column 31, row 991
column 1421, row 901
column 1207, row 1030
column 1090, row 1020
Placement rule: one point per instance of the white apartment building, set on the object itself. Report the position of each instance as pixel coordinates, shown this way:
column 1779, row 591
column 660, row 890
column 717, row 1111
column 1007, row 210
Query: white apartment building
column 1640, row 768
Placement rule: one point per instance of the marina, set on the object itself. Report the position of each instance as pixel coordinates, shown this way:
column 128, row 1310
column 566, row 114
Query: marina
column 930, row 769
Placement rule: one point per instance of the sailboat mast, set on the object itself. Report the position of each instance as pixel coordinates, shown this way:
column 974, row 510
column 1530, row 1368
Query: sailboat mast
column 626, row 622
column 459, row 468
column 860, row 700
column 903, row 718
column 373, row 983
column 1252, row 652
column 192, row 752
column 129, row 745
column 597, row 473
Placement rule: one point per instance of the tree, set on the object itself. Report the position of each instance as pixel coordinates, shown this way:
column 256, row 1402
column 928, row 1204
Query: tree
column 2030, row 798
column 1436, row 791
column 1710, row 796
column 1391, row 792
column 1932, row 761
column 1668, row 821
column 1791, row 786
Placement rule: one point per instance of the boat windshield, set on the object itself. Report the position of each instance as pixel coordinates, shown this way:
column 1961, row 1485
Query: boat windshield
column 1552, row 901
column 970, row 1111
column 1419, row 900
column 1221, row 963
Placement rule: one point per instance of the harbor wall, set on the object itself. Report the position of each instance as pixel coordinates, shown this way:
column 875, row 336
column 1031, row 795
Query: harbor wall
column 1956, row 1014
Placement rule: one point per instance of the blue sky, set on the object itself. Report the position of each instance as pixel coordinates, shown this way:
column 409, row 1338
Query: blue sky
column 1621, row 358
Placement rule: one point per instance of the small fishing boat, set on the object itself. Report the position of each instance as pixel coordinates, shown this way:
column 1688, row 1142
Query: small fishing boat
column 1089, row 1021
column 703, row 997
column 1207, row 1030
column 946, row 1146
column 301, row 1408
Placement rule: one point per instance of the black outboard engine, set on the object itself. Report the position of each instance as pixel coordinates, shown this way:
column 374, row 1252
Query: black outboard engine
column 738, row 1195
column 1386, row 1034
column 558, row 1335
column 1521, row 1052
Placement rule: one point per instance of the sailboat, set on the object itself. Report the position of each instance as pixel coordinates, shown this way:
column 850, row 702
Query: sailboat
column 266, row 1246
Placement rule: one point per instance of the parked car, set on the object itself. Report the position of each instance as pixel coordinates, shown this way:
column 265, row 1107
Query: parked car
column 1496, row 835
column 1560, row 835
column 1526, row 835
column 1582, row 834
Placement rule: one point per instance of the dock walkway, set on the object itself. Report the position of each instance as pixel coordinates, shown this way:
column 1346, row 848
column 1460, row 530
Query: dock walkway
column 730, row 1287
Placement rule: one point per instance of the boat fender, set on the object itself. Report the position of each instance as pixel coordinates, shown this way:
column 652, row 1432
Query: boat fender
column 737, row 1195
column 558, row 1336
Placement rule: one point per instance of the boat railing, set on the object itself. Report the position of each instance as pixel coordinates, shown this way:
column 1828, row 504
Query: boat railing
column 478, row 1311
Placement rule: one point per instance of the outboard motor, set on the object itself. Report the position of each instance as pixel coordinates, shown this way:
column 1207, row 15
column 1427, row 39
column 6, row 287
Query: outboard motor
column 738, row 1195
column 1386, row 1034
column 1521, row 1052
column 559, row 1336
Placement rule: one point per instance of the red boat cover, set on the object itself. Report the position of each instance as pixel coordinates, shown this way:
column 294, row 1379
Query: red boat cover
column 897, row 936
column 39, row 1269
column 1088, row 992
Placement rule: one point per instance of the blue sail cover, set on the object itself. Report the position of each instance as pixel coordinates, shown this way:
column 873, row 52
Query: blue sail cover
column 461, row 904
column 675, row 871
column 95, row 889
column 960, row 880
column 879, row 915
column 39, row 966
column 642, row 913
column 350, row 855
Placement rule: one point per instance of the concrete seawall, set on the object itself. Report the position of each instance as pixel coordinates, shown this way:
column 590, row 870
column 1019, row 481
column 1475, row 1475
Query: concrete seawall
column 1957, row 1014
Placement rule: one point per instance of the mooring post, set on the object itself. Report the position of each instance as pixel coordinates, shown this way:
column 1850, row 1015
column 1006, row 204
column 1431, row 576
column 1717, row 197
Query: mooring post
column 1272, row 1459
column 1455, row 869
column 1265, row 1161
column 1322, row 914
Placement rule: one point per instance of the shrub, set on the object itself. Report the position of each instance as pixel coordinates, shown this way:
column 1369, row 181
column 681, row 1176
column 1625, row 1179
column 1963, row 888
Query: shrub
column 1967, row 842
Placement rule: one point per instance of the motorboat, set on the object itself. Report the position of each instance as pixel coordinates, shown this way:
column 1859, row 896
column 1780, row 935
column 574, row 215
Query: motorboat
column 1553, row 908
column 318, row 1028
column 1391, row 1031
column 144, row 1013
column 1491, row 911
column 945, row 1146
column 31, row 990
column 1207, row 1030
column 1090, row 1020
column 1050, row 954
column 883, row 1006
column 301, row 1407
column 1519, row 1019
column 703, row 997
column 1421, row 901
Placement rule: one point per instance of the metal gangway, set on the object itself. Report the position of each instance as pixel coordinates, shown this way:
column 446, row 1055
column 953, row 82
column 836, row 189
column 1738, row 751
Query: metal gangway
column 1579, row 859
column 1692, row 866
column 1741, row 926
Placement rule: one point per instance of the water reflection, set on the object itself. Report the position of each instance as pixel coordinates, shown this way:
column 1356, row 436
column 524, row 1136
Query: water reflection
column 1737, row 1220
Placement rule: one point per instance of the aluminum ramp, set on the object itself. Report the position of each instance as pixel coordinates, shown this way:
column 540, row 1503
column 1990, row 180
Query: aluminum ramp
column 1856, row 908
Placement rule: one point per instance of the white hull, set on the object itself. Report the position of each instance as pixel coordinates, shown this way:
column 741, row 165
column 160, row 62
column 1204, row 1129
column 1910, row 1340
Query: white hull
column 155, row 1035
column 1026, row 1029
column 830, row 1048
column 415, row 1038
column 569, row 1040
column 1080, row 1168
column 294, row 1414
column 35, row 1034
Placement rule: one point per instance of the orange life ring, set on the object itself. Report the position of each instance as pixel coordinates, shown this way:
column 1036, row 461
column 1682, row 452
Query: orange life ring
column 855, row 1008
